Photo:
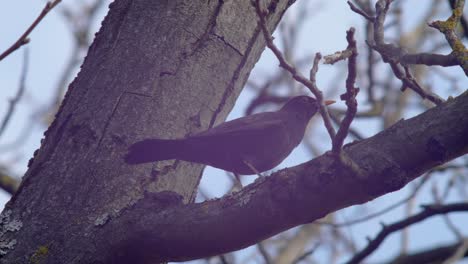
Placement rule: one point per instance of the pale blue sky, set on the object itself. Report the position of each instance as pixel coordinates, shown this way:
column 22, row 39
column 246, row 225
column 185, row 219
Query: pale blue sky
column 50, row 48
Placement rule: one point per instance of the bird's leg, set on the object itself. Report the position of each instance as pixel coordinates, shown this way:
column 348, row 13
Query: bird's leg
column 252, row 168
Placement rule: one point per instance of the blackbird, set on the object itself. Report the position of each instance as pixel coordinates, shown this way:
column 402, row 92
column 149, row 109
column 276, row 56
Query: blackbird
column 247, row 145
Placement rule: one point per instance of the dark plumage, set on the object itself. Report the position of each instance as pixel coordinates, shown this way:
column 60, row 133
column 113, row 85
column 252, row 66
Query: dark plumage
column 262, row 140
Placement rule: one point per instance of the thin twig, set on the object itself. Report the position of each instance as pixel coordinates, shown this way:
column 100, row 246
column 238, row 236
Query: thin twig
column 306, row 254
column 264, row 253
column 381, row 212
column 14, row 101
column 370, row 67
column 394, row 55
column 463, row 22
column 323, row 109
column 22, row 136
column 405, row 235
column 450, row 225
column 24, row 38
column 353, row 132
column 361, row 12
column 350, row 96
column 448, row 28
column 337, row 56
column 292, row 70
column 428, row 211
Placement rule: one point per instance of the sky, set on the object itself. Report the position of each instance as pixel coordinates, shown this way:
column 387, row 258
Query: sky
column 50, row 47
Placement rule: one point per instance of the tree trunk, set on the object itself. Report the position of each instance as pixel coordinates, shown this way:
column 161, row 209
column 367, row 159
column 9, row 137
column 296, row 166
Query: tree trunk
column 166, row 70
column 156, row 69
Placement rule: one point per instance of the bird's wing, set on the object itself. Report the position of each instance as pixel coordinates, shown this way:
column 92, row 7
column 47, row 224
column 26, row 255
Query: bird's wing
column 261, row 139
column 249, row 125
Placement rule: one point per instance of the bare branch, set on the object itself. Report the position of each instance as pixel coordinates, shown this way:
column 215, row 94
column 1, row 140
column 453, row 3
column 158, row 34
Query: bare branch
column 428, row 211
column 306, row 254
column 430, row 59
column 393, row 55
column 24, row 38
column 350, row 96
column 323, row 110
column 463, row 22
column 337, row 56
column 295, row 74
column 448, row 28
column 361, row 12
column 14, row 101
column 432, row 255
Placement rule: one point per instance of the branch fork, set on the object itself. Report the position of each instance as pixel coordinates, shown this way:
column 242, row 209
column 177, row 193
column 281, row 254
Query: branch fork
column 349, row 97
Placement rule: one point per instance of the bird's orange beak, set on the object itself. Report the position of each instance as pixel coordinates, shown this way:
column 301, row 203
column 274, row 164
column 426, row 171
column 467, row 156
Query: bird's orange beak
column 329, row 102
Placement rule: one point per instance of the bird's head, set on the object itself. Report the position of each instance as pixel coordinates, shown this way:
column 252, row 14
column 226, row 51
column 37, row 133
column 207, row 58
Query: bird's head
column 304, row 107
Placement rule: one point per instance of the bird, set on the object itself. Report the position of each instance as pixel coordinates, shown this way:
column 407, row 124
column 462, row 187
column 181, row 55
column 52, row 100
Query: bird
column 245, row 146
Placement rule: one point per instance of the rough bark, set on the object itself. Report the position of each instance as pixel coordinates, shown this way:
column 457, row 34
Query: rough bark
column 165, row 69
column 156, row 68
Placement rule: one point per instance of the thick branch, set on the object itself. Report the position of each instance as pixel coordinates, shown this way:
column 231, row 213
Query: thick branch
column 289, row 197
column 387, row 230
column 430, row 59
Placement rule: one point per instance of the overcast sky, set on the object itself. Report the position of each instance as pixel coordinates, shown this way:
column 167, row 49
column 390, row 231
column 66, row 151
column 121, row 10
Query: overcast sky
column 51, row 45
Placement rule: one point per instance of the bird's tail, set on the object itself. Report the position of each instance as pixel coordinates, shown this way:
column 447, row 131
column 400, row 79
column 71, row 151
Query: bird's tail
column 150, row 150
